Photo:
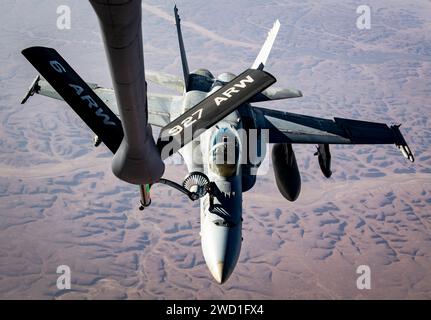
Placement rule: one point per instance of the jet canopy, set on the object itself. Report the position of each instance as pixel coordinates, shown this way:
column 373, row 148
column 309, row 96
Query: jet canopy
column 224, row 153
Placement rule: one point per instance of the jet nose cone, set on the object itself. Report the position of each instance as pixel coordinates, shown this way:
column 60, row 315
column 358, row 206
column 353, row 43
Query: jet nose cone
column 221, row 247
column 218, row 272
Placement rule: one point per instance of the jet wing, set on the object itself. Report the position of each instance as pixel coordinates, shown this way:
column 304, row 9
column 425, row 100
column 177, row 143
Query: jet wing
column 165, row 80
column 286, row 127
column 160, row 106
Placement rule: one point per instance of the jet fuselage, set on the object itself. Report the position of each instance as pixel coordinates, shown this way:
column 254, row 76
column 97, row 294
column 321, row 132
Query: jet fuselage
column 217, row 153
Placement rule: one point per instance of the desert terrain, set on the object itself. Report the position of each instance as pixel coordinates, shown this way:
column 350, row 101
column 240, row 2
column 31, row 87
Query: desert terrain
column 61, row 205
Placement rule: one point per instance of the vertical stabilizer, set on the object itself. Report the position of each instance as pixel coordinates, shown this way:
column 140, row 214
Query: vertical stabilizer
column 261, row 58
column 182, row 50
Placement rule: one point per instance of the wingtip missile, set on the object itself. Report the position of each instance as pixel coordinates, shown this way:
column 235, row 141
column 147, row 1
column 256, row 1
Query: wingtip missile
column 401, row 143
column 34, row 88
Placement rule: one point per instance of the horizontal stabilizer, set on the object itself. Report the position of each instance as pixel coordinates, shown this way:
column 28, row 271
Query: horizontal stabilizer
column 276, row 94
column 78, row 94
column 211, row 110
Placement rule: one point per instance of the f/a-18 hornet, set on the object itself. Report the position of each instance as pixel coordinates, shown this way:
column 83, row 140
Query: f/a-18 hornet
column 212, row 125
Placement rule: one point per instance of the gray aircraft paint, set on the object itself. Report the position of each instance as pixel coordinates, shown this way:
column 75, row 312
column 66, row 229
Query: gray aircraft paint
column 221, row 226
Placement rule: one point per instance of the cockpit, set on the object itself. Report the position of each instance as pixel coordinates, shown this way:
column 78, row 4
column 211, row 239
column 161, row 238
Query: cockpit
column 224, row 152
column 201, row 79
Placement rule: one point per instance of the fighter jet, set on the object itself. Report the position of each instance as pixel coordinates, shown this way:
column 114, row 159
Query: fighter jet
column 211, row 123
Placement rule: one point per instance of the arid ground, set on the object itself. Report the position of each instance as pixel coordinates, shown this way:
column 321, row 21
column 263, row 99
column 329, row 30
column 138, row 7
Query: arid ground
column 61, row 205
